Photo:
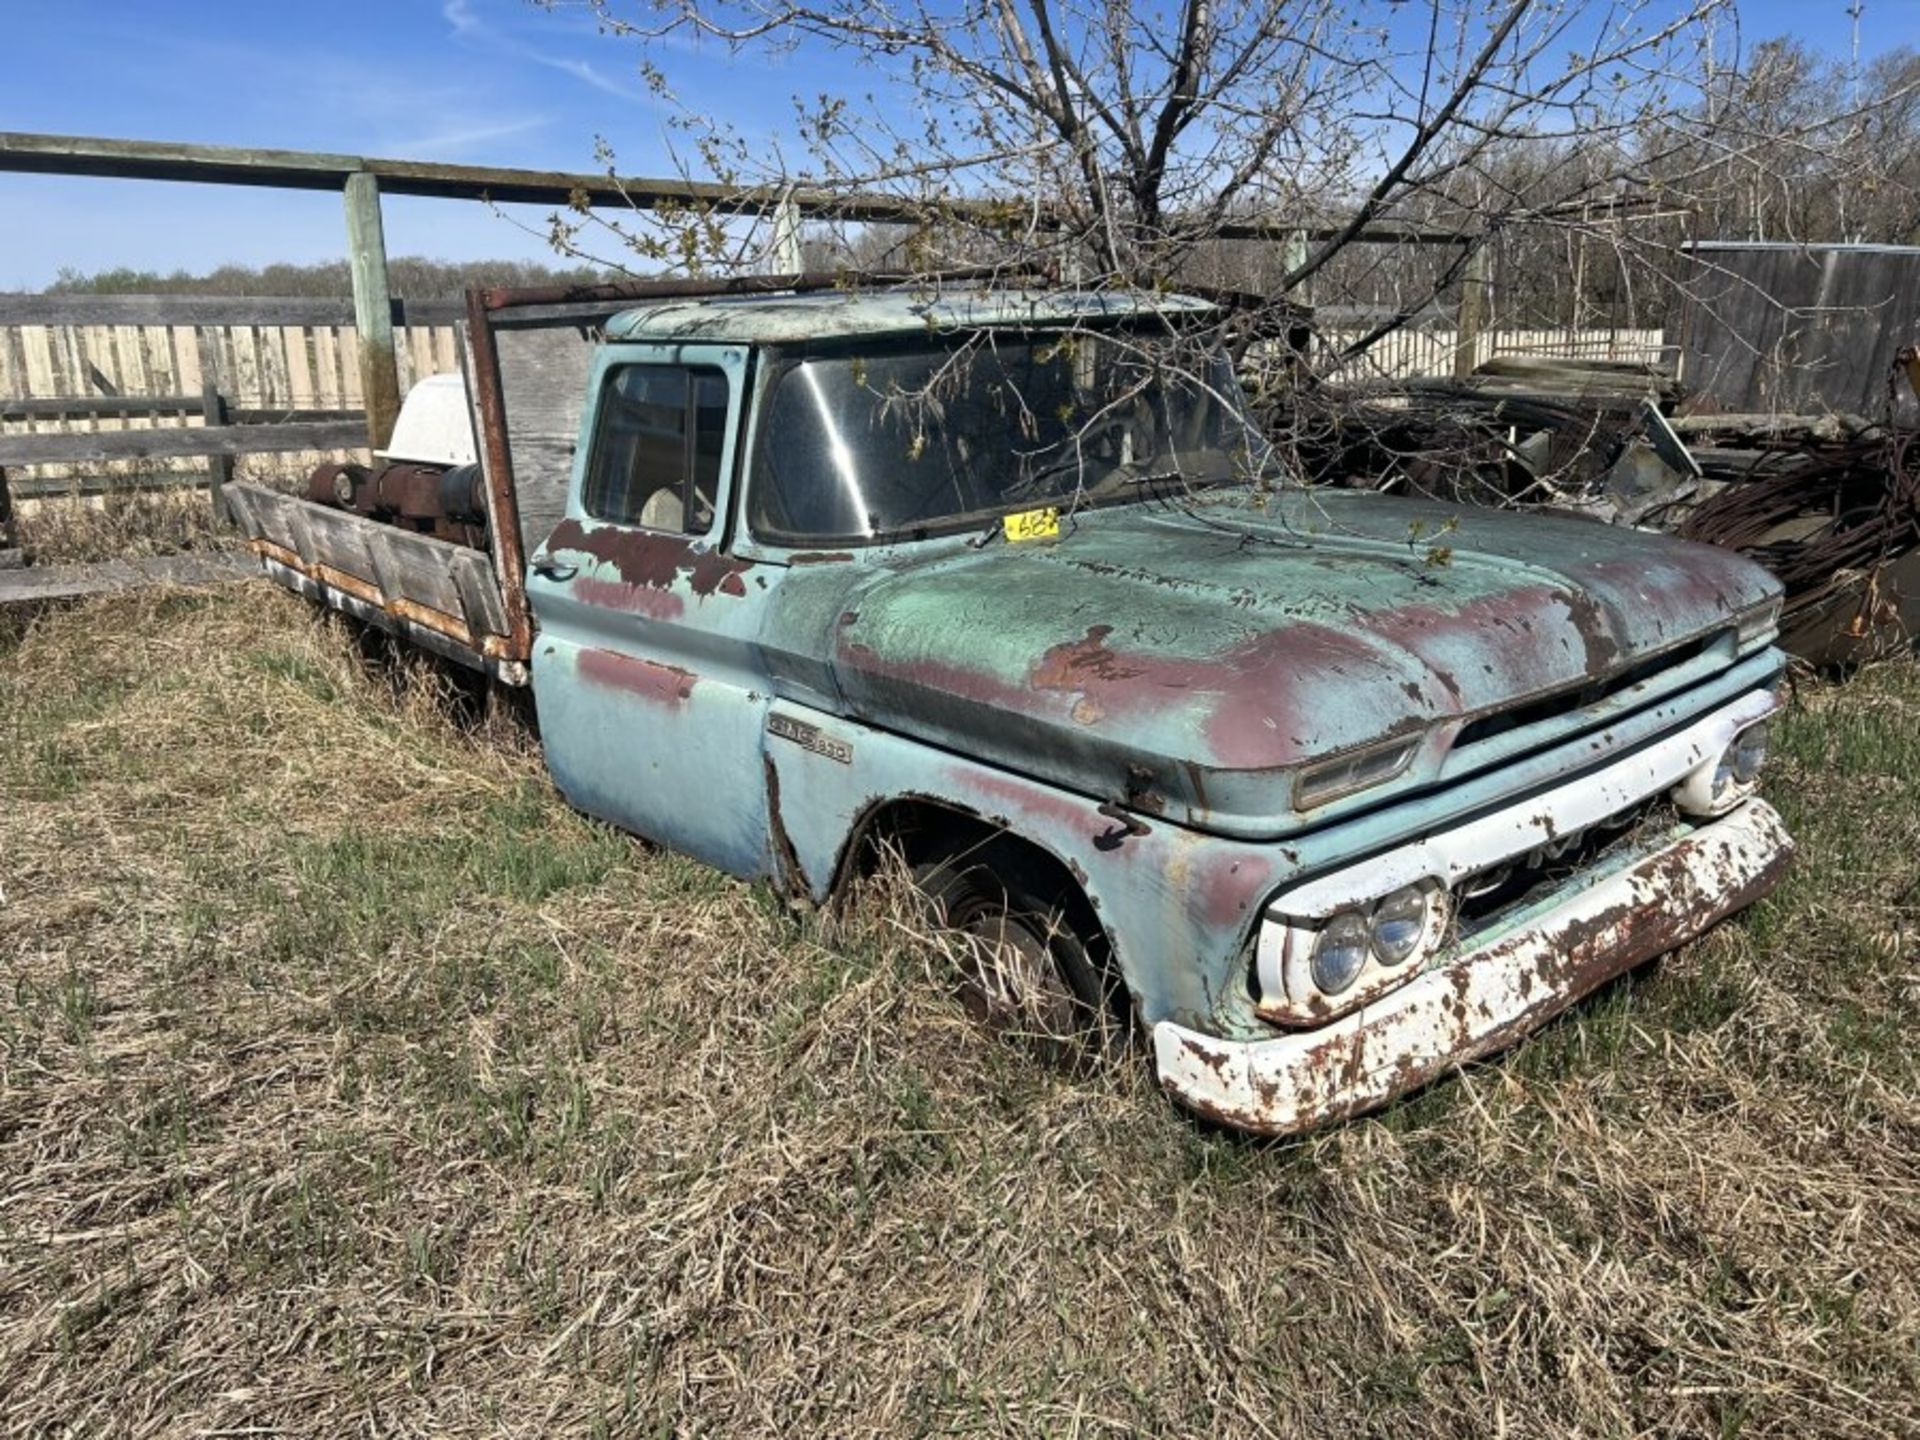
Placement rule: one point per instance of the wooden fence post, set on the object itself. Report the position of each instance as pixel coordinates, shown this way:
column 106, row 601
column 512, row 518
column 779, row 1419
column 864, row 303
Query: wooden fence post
column 1473, row 310
column 784, row 253
column 213, row 407
column 372, row 307
column 9, row 551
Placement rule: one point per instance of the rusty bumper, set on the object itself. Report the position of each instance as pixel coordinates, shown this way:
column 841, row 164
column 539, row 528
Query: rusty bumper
column 1478, row 1002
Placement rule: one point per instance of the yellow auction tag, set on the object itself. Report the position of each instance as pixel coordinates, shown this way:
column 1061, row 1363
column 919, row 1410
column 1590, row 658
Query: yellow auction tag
column 1033, row 524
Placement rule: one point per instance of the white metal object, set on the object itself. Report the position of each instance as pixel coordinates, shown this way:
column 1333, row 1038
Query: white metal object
column 435, row 425
column 1481, row 1000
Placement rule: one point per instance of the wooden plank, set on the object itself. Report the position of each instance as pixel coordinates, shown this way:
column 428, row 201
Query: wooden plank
column 93, row 448
column 294, row 342
column 40, row 583
column 305, row 170
column 543, row 377
column 135, row 482
column 60, row 407
column 326, row 367
column 38, row 345
column 213, row 410
column 1473, row 308
column 70, row 309
column 1799, row 329
column 399, row 571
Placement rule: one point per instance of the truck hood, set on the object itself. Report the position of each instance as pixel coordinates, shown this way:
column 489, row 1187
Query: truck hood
column 1193, row 658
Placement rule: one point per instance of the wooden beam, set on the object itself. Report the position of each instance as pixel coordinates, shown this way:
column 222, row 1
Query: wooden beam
column 106, row 407
column 122, row 407
column 152, row 482
column 372, row 308
column 306, row 170
column 68, row 308
column 1288, row 233
column 39, row 583
column 90, row 447
column 213, row 411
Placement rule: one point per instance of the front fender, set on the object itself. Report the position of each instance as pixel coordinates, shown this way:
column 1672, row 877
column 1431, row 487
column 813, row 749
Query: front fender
column 1178, row 906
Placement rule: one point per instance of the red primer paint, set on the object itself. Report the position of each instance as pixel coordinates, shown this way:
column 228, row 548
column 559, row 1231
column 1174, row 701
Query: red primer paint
column 660, row 684
column 635, row 599
column 1011, row 792
column 652, row 561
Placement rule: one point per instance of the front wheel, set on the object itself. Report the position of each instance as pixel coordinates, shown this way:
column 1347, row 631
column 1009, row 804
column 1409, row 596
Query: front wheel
column 1032, row 963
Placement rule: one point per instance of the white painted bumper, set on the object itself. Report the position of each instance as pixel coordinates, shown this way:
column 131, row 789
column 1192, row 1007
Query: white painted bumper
column 1477, row 1002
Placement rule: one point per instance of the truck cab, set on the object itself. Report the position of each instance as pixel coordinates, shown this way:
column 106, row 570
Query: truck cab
column 1324, row 793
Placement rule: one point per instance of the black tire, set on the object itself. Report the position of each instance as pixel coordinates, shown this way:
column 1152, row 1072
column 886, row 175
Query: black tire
column 1032, row 962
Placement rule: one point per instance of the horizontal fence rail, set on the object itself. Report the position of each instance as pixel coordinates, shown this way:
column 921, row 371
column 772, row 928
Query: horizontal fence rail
column 102, row 393
column 98, row 445
column 218, row 310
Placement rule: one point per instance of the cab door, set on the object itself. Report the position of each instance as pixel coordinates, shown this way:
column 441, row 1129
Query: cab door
column 651, row 701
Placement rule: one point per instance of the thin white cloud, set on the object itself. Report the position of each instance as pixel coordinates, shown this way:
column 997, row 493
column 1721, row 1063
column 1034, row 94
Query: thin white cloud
column 581, row 70
column 465, row 24
column 456, row 138
column 459, row 15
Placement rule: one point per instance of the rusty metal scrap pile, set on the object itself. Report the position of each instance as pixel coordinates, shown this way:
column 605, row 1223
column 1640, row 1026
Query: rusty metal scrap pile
column 1816, row 512
column 1830, row 503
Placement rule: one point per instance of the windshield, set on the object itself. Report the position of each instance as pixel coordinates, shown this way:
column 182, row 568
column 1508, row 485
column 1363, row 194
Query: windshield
column 858, row 447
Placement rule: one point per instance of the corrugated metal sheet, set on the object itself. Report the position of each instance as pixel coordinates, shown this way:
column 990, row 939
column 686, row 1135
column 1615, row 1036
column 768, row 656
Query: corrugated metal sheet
column 1800, row 329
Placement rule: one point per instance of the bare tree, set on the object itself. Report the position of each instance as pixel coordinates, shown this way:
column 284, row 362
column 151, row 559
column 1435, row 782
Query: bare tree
column 1126, row 137
column 1371, row 157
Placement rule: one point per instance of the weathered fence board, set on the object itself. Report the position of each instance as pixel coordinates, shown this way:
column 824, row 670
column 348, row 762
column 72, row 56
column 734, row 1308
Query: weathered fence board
column 1801, row 329
column 86, row 447
column 121, row 365
column 67, row 309
column 41, row 583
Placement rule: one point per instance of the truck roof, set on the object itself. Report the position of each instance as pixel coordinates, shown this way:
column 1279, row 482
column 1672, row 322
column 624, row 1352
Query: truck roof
column 786, row 318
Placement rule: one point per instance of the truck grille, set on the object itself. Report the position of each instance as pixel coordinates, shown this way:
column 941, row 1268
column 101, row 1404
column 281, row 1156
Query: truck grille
column 1482, row 901
column 1579, row 697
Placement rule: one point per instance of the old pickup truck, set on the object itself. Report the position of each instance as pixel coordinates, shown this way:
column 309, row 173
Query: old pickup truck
column 1321, row 793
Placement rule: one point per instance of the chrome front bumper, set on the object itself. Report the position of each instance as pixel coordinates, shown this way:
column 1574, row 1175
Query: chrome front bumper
column 1480, row 1001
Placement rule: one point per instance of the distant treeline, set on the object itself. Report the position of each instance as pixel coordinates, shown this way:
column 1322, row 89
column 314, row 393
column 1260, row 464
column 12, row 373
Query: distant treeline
column 413, row 276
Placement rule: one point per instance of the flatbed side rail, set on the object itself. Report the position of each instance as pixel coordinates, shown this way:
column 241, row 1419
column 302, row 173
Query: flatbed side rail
column 436, row 594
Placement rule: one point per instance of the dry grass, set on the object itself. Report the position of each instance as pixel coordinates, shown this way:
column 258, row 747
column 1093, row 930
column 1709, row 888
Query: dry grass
column 348, row 1082
column 79, row 530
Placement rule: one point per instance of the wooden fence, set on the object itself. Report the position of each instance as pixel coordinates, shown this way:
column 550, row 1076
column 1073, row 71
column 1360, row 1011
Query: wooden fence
column 104, row 392
column 117, row 391
column 1422, row 353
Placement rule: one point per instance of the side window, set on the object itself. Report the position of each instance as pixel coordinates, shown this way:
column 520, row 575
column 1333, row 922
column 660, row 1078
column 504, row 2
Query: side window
column 655, row 461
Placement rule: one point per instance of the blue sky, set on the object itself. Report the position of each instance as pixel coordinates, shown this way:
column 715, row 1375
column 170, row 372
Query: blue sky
column 483, row 81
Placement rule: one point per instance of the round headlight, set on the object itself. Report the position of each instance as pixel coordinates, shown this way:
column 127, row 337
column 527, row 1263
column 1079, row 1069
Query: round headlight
column 1399, row 922
column 1341, row 952
column 1750, row 753
column 1723, row 772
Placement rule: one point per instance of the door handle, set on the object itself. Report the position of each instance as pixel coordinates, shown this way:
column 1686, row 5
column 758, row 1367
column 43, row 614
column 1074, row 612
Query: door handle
column 547, row 568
